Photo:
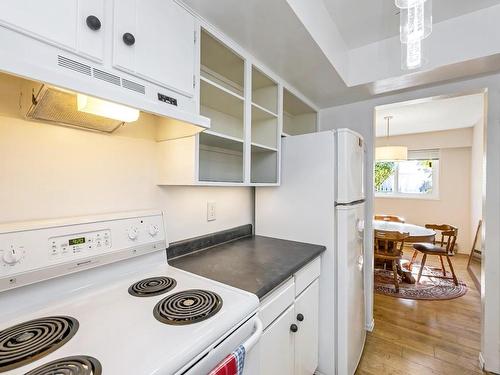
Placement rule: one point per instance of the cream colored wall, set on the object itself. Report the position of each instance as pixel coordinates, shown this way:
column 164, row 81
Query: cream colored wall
column 430, row 140
column 454, row 203
column 53, row 171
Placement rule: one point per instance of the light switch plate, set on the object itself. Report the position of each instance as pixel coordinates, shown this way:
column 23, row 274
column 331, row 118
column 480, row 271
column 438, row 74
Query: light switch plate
column 211, row 211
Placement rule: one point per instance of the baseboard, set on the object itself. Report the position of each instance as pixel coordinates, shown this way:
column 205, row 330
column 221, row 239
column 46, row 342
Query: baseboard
column 481, row 361
column 369, row 327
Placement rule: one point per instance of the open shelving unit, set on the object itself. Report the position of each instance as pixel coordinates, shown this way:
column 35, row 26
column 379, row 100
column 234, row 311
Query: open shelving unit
column 248, row 109
column 221, row 159
column 221, row 65
column 221, row 149
column 298, row 117
column 265, row 129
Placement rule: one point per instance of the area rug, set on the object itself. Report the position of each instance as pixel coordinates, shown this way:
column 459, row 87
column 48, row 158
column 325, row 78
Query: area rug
column 429, row 288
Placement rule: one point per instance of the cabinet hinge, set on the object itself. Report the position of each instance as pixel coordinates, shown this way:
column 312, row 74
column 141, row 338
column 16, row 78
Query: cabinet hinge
column 194, row 37
column 194, row 81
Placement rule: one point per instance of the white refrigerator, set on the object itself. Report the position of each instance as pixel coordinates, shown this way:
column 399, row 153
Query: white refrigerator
column 321, row 201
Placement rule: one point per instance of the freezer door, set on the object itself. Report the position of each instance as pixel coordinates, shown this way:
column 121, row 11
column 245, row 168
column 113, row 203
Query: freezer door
column 350, row 167
column 350, row 295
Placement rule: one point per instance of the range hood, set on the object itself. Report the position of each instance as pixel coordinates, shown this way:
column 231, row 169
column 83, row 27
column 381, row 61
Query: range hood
column 51, row 104
column 50, row 94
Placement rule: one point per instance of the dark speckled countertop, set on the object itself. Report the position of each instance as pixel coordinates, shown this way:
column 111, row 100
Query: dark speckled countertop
column 253, row 263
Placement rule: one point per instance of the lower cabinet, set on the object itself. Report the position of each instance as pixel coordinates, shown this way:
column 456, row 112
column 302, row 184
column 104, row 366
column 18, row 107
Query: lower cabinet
column 289, row 345
column 307, row 335
column 276, row 345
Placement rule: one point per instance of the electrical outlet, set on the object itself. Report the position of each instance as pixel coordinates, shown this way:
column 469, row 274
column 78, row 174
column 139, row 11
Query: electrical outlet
column 211, row 211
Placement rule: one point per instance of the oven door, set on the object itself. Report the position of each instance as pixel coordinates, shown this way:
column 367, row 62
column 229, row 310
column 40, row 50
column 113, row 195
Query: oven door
column 247, row 334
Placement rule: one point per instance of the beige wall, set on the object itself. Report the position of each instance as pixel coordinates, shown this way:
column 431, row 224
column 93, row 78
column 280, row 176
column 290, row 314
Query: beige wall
column 454, row 203
column 432, row 140
column 53, row 171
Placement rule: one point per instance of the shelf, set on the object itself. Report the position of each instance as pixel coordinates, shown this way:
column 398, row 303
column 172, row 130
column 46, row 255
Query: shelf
column 221, row 64
column 264, row 127
column 260, row 113
column 298, row 117
column 214, row 140
column 224, row 108
column 221, row 88
column 262, row 148
column 224, row 136
column 293, row 105
column 264, row 167
column 283, row 135
column 220, row 159
column 264, row 91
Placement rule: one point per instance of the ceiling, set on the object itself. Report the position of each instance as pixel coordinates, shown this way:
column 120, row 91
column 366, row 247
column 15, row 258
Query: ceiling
column 362, row 22
column 274, row 33
column 430, row 115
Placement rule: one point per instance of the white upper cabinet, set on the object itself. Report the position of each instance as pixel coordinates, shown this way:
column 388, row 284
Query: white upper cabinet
column 155, row 40
column 75, row 25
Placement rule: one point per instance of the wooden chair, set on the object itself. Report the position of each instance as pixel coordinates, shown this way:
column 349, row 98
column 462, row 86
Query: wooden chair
column 395, row 219
column 389, row 247
column 443, row 247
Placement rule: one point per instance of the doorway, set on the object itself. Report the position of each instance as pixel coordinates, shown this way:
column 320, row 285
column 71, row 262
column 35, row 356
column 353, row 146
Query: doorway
column 436, row 179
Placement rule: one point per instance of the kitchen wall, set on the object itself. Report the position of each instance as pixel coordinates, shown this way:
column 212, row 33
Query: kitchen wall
column 51, row 171
column 359, row 116
column 453, row 206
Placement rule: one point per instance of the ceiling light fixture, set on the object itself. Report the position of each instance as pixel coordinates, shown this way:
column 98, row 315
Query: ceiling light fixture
column 103, row 108
column 391, row 153
column 415, row 24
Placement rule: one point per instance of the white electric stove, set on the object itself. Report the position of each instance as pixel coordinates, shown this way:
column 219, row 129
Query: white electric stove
column 95, row 295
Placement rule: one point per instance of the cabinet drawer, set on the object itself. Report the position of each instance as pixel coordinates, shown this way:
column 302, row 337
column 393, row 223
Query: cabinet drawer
column 305, row 276
column 277, row 302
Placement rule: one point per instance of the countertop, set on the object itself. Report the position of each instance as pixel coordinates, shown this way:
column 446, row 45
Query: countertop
column 256, row 264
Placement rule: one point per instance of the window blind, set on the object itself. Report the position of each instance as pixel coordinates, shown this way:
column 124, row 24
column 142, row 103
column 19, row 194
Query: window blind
column 432, row 154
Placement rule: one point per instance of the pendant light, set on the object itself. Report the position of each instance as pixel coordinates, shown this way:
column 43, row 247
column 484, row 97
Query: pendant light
column 391, row 153
column 415, row 24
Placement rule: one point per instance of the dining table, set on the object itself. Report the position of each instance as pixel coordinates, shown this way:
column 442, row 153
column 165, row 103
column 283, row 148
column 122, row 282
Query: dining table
column 416, row 234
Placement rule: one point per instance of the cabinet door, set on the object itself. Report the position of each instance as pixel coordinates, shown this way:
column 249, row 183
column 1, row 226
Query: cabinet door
column 162, row 49
column 276, row 346
column 58, row 22
column 306, row 338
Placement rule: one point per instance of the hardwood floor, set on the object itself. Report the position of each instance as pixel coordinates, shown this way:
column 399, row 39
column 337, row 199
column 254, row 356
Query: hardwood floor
column 425, row 337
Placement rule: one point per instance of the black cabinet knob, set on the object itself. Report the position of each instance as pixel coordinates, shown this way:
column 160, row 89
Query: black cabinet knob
column 93, row 23
column 128, row 39
column 294, row 328
column 300, row 317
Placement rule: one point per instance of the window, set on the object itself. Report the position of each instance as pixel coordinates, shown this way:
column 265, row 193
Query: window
column 416, row 177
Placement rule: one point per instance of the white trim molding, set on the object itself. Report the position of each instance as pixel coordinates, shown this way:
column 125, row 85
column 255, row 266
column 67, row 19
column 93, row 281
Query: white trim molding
column 481, row 361
column 370, row 326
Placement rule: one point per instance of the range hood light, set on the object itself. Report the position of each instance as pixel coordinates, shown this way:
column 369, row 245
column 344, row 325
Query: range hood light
column 103, row 108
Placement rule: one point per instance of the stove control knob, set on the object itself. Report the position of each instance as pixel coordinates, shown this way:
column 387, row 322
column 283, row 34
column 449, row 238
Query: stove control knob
column 153, row 230
column 11, row 256
column 133, row 232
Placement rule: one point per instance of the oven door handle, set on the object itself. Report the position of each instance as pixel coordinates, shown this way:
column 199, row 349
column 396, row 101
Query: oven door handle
column 252, row 340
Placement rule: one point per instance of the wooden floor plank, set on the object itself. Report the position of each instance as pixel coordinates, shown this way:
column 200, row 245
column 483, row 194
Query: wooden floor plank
column 426, row 337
